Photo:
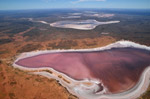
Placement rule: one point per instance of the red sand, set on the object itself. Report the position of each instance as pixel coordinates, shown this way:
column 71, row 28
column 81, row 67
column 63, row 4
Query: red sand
column 119, row 68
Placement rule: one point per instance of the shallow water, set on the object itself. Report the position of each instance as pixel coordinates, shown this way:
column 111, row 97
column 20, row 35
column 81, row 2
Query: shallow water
column 118, row 68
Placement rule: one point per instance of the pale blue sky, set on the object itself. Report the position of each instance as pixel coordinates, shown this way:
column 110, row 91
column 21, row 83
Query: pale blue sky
column 46, row 4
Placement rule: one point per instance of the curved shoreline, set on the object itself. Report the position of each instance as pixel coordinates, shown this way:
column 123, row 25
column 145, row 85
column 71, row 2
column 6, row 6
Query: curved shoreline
column 82, row 90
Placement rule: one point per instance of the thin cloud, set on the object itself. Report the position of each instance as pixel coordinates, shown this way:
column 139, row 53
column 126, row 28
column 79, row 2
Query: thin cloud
column 78, row 1
column 48, row 0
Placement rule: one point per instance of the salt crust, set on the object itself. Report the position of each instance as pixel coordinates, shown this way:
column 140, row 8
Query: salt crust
column 82, row 90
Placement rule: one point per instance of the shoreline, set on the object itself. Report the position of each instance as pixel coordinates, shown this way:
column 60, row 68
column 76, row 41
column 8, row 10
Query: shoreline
column 82, row 90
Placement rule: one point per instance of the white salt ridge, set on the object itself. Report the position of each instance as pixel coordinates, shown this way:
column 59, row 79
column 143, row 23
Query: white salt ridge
column 83, row 91
column 99, row 15
column 71, row 17
column 43, row 22
column 75, row 13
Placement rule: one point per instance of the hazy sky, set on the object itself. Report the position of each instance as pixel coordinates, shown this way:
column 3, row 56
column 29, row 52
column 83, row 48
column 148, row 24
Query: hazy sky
column 44, row 4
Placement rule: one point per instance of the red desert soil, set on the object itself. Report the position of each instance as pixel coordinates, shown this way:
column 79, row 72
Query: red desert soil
column 17, row 84
column 19, row 37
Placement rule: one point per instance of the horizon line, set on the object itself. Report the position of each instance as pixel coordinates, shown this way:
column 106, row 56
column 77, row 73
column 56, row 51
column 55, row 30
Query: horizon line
column 73, row 8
